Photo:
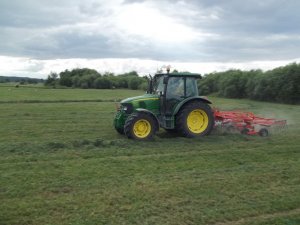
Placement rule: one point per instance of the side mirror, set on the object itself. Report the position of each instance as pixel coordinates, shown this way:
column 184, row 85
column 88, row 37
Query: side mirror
column 150, row 85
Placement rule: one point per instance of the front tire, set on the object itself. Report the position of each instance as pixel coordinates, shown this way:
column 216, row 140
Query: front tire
column 120, row 130
column 194, row 120
column 140, row 126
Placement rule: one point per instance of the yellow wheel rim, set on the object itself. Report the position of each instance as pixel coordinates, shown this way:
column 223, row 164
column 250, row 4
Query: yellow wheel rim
column 141, row 128
column 197, row 121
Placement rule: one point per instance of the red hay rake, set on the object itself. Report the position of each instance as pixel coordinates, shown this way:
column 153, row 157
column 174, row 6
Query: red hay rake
column 246, row 122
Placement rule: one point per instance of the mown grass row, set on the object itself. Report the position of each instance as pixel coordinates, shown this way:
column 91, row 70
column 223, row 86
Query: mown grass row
column 12, row 94
column 199, row 181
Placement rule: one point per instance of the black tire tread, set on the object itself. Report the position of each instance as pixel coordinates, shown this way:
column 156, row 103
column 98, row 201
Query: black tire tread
column 128, row 124
column 120, row 130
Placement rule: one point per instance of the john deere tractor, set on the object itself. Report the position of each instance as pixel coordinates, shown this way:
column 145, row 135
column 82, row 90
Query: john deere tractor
column 171, row 102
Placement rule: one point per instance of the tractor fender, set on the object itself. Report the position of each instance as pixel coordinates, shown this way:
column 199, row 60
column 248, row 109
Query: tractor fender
column 150, row 113
column 186, row 101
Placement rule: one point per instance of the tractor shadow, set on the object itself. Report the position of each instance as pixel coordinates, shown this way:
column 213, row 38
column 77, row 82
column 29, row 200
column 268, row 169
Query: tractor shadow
column 163, row 134
column 168, row 134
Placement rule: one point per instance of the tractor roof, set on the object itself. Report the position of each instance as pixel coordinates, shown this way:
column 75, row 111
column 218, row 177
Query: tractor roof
column 181, row 74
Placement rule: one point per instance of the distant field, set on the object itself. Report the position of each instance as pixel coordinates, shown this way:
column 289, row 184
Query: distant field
column 63, row 163
column 39, row 94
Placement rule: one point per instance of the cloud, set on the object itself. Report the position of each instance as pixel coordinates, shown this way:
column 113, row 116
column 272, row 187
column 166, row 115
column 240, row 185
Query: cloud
column 26, row 67
column 193, row 31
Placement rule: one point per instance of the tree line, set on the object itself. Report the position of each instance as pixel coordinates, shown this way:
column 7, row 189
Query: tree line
column 90, row 78
column 21, row 80
column 278, row 85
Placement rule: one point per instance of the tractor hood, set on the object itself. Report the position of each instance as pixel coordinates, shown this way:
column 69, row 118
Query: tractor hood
column 145, row 97
column 149, row 102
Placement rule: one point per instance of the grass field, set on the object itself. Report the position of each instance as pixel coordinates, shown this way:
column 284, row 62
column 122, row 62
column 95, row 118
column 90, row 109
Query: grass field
column 63, row 163
column 37, row 93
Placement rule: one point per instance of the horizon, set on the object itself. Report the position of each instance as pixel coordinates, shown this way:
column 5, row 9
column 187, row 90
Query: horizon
column 190, row 67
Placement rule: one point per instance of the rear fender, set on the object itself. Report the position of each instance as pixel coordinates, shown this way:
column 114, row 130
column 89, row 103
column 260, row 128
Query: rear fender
column 186, row 101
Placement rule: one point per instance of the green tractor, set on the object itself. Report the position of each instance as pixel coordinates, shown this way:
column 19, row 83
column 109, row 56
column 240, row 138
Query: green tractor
column 171, row 102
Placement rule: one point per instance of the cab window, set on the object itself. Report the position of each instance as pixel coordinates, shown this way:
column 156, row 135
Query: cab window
column 175, row 87
column 158, row 85
column 191, row 87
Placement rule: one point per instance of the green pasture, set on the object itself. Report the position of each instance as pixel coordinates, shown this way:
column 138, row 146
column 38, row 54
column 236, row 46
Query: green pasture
column 37, row 93
column 63, row 163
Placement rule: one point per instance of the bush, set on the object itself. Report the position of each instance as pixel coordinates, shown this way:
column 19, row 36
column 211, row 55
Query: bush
column 281, row 84
column 87, row 78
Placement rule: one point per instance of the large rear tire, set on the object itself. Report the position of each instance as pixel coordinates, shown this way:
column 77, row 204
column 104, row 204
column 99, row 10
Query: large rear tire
column 195, row 119
column 140, row 126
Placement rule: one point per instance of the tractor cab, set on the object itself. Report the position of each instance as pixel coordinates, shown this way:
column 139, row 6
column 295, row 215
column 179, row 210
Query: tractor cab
column 173, row 88
column 172, row 103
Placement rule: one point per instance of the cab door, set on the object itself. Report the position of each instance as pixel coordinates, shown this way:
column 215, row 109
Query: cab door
column 178, row 89
column 175, row 93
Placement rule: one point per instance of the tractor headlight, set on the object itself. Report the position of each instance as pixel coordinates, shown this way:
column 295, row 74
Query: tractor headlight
column 127, row 108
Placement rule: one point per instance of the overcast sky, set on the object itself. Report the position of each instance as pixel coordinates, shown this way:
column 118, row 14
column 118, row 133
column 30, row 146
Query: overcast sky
column 39, row 36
